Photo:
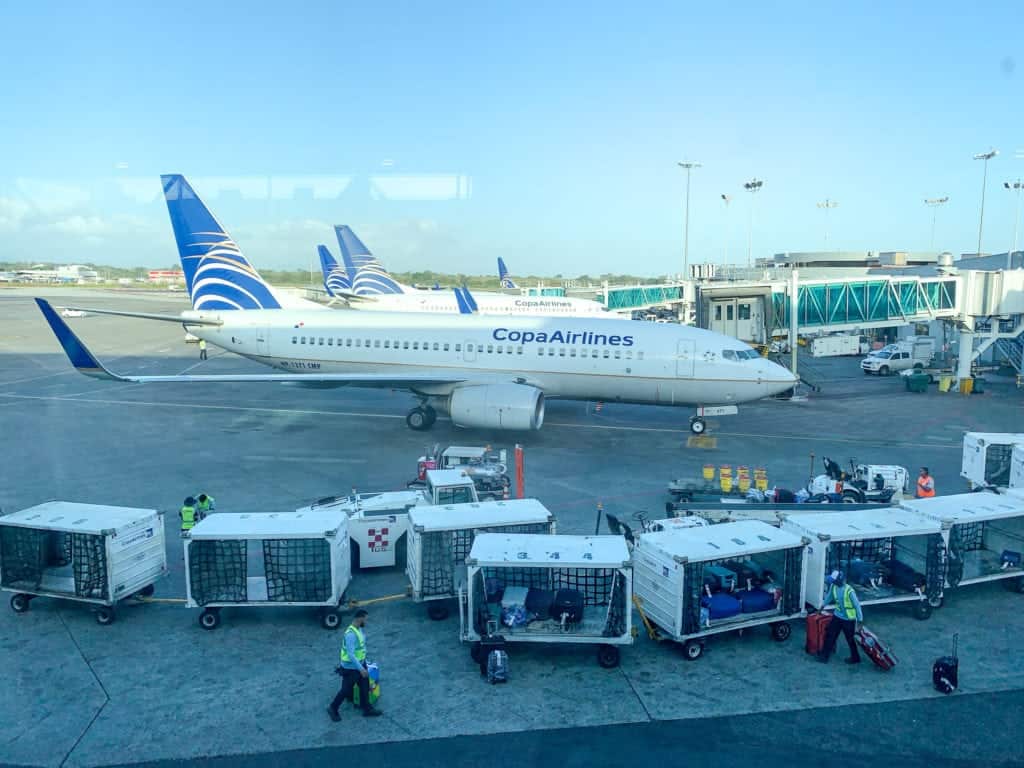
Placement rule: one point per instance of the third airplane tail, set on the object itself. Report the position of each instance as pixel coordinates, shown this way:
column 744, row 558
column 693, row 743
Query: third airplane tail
column 506, row 281
column 336, row 279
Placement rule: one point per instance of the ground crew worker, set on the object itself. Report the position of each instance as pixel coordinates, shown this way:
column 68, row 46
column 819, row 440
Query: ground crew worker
column 925, row 485
column 188, row 514
column 202, row 349
column 353, row 669
column 204, row 505
column 845, row 619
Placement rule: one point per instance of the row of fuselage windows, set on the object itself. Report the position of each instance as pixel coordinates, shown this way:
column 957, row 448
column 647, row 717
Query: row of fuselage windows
column 489, row 349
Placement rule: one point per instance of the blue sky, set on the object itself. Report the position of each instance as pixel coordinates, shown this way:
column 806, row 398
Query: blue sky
column 449, row 134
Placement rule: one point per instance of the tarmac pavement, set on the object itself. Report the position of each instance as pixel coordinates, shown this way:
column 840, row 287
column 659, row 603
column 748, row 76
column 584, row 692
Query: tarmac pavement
column 90, row 695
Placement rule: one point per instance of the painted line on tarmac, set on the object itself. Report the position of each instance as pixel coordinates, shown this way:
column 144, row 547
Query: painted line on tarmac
column 357, row 414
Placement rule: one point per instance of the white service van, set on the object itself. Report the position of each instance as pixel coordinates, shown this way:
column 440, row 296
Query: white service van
column 909, row 353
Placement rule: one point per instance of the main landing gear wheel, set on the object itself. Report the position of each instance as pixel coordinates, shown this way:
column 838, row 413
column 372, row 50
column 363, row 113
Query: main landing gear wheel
column 697, row 425
column 421, row 418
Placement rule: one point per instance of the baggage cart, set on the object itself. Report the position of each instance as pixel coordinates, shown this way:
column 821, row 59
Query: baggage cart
column 296, row 559
column 88, row 553
column 889, row 555
column 987, row 458
column 670, row 569
column 441, row 537
column 533, row 588
column 986, row 536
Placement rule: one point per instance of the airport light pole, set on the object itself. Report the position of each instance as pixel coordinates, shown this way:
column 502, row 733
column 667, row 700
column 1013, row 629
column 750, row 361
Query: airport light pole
column 827, row 205
column 726, row 199
column 934, row 203
column 752, row 187
column 986, row 156
column 1015, row 186
column 689, row 166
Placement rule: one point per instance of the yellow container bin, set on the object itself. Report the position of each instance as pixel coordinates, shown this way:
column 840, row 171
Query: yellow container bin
column 945, row 382
column 966, row 386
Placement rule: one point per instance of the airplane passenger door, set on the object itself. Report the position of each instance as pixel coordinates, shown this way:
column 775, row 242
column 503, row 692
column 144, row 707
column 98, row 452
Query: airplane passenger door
column 686, row 352
column 469, row 352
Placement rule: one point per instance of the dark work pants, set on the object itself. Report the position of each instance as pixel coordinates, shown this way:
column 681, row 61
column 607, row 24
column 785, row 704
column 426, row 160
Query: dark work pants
column 836, row 626
column 202, row 354
column 350, row 678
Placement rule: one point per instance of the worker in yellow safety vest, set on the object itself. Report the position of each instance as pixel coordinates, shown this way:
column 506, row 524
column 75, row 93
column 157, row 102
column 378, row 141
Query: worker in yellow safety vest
column 353, row 669
column 188, row 514
column 925, row 485
column 204, row 505
column 845, row 618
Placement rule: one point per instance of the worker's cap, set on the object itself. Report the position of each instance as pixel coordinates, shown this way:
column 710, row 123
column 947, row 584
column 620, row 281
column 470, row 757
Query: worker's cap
column 189, row 501
column 836, row 577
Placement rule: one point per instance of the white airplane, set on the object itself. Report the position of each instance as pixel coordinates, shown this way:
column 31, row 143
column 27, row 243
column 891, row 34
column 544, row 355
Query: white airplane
column 366, row 285
column 485, row 372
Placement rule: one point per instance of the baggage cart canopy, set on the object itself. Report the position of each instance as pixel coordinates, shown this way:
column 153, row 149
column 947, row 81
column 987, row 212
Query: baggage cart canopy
column 865, row 524
column 269, row 525
column 75, row 517
column 542, row 550
column 453, row 517
column 715, row 542
column 968, row 507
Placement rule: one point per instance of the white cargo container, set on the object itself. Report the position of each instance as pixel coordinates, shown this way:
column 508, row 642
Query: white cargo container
column 302, row 560
column 770, row 572
column 90, row 553
column 516, row 583
column 889, row 555
column 987, row 458
column 1017, row 467
column 840, row 344
column 986, row 536
column 441, row 538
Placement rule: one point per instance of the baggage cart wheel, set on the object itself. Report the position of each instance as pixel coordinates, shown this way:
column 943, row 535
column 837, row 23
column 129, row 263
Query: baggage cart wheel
column 693, row 650
column 105, row 615
column 475, row 651
column 1014, row 585
column 19, row 603
column 935, row 602
column 437, row 611
column 209, row 619
column 698, row 425
column 330, row 620
column 922, row 610
column 608, row 656
column 781, row 631
column 146, row 591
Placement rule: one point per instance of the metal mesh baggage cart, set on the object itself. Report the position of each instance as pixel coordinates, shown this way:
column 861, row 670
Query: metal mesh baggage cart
column 91, row 553
column 674, row 592
column 268, row 559
column 535, row 588
column 442, row 536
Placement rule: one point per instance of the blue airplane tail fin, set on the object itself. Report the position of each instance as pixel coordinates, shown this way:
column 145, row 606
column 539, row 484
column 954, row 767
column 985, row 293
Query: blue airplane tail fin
column 335, row 277
column 506, row 281
column 466, row 303
column 354, row 254
column 217, row 274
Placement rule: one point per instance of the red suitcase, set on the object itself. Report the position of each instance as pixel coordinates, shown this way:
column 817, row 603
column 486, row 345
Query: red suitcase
column 817, row 624
column 876, row 650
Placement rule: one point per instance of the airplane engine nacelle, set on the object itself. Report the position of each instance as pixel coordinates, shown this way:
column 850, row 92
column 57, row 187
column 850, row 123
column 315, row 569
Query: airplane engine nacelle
column 497, row 406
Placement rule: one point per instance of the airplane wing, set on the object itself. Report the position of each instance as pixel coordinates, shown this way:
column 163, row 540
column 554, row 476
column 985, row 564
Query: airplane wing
column 143, row 315
column 86, row 363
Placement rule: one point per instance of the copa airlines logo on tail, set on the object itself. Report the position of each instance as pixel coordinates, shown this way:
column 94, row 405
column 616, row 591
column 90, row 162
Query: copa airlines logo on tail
column 223, row 279
column 337, row 280
column 585, row 338
column 372, row 280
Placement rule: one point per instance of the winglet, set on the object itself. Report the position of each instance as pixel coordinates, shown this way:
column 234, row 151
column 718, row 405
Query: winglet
column 80, row 357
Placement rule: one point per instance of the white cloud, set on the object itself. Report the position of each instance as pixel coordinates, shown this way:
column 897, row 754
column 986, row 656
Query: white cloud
column 53, row 197
column 13, row 213
column 100, row 226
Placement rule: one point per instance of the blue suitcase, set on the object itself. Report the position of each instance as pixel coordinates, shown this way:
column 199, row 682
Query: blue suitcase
column 756, row 600
column 721, row 606
column 722, row 578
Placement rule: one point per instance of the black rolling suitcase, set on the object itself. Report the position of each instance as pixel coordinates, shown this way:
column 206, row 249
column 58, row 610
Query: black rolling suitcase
column 946, row 671
column 567, row 603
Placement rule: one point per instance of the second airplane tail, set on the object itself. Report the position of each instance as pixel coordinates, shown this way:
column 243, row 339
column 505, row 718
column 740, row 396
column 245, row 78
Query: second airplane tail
column 336, row 279
column 506, row 280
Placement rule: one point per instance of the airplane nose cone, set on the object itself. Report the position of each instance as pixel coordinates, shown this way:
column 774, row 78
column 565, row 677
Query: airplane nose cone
column 780, row 378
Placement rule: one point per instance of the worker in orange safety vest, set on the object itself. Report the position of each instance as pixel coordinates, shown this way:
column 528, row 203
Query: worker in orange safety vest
column 925, row 485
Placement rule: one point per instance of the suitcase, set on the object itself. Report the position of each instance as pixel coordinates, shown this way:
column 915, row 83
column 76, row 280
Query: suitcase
column 902, row 576
column 876, row 650
column 514, row 596
column 862, row 572
column 374, row 672
column 946, row 671
column 750, row 573
column 497, row 667
column 539, row 601
column 494, row 589
column 756, row 600
column 721, row 606
column 567, row 602
column 817, row 625
column 722, row 579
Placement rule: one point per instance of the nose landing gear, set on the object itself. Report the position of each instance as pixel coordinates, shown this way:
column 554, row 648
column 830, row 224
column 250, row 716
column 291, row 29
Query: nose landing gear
column 698, row 425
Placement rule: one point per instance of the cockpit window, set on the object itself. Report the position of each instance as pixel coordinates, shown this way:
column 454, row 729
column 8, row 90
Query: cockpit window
column 739, row 354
